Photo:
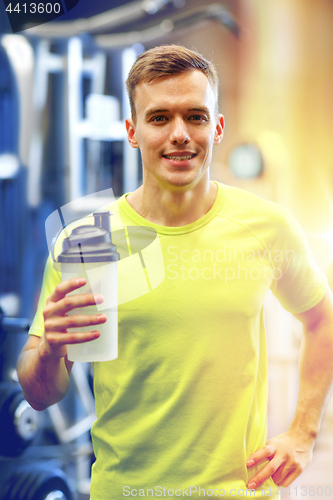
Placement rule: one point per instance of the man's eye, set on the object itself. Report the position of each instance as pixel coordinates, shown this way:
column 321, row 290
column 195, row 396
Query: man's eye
column 197, row 118
column 159, row 118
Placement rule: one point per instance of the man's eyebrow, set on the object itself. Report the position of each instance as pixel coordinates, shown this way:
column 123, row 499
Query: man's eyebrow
column 153, row 111
column 197, row 109
column 201, row 109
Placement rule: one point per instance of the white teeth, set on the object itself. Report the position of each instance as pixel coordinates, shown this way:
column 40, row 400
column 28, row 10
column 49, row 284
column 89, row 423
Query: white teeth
column 179, row 158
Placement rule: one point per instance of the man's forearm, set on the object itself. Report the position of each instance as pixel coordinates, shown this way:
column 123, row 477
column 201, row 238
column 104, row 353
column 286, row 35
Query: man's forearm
column 290, row 453
column 44, row 380
column 315, row 379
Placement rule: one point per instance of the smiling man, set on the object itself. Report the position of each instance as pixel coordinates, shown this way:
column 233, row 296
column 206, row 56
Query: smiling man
column 175, row 124
column 183, row 410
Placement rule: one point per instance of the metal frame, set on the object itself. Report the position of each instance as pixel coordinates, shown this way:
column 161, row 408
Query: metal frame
column 64, row 432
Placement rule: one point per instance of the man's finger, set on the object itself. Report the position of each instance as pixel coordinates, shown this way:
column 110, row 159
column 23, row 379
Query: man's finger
column 264, row 453
column 78, row 301
column 68, row 303
column 62, row 323
column 264, row 474
column 55, row 340
column 65, row 287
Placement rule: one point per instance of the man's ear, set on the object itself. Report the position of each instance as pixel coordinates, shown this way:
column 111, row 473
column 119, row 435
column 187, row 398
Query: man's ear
column 131, row 135
column 219, row 130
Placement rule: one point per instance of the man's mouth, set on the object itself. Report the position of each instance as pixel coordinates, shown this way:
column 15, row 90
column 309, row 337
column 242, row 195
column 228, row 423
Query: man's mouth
column 179, row 157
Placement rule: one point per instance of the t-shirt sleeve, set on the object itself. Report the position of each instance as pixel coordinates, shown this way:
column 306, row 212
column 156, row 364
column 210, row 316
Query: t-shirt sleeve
column 50, row 281
column 298, row 282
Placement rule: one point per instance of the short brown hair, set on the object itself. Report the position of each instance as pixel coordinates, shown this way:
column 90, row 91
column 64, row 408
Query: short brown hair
column 167, row 60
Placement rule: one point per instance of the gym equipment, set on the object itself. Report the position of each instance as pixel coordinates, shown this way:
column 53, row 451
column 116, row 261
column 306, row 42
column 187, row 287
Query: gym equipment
column 20, row 423
column 37, row 483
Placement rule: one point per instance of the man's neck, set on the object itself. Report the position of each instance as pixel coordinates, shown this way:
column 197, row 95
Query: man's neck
column 173, row 207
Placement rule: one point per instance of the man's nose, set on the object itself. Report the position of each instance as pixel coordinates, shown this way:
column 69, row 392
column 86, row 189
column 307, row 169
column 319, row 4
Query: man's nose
column 179, row 133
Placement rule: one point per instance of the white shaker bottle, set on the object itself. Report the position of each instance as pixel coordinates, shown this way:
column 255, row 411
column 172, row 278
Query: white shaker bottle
column 88, row 252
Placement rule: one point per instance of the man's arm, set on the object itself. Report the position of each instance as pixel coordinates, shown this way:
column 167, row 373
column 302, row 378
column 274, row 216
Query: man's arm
column 43, row 368
column 44, row 380
column 291, row 452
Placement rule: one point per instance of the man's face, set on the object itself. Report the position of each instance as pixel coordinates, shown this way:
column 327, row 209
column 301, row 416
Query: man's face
column 175, row 128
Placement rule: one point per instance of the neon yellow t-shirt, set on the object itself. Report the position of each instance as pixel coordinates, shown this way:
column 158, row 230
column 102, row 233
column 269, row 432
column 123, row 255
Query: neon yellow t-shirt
column 185, row 403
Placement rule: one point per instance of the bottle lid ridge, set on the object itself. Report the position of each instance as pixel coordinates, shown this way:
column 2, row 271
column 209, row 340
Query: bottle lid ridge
column 90, row 243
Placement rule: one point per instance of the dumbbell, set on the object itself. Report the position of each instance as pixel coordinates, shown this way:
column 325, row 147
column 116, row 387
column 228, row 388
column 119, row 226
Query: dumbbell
column 42, row 482
column 20, row 423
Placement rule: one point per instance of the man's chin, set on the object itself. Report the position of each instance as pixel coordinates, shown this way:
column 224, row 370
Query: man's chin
column 181, row 179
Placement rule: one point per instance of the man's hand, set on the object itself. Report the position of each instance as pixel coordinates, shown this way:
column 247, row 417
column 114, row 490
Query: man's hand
column 291, row 452
column 43, row 368
column 56, row 322
column 288, row 454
